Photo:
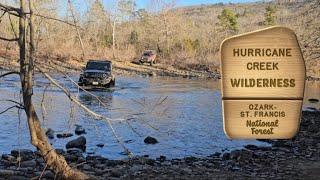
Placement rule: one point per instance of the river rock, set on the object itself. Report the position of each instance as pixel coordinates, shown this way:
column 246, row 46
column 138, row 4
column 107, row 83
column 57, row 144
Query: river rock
column 50, row 133
column 251, row 147
column 117, row 172
column 64, row 135
column 30, row 163
column 60, row 151
column 162, row 158
column 8, row 157
column 100, row 145
column 71, row 158
column 19, row 177
column 4, row 172
column 235, row 154
column 150, row 140
column 226, row 156
column 74, row 151
column 25, row 154
column 79, row 143
column 79, row 130
column 48, row 174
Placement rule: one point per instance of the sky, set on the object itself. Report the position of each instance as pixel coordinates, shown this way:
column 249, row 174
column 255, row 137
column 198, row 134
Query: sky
column 82, row 5
column 143, row 3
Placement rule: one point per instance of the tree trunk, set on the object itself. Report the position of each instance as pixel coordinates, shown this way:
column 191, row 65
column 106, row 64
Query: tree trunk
column 113, row 38
column 77, row 28
column 38, row 137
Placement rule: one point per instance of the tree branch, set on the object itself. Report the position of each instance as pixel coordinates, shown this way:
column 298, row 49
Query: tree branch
column 11, row 10
column 59, row 20
column 15, row 106
column 13, row 101
column 8, row 73
column 2, row 15
column 6, row 39
column 12, row 28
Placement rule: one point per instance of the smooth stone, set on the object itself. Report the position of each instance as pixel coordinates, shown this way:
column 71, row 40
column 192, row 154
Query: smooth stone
column 60, row 151
column 79, row 130
column 226, row 156
column 4, row 172
column 50, row 133
column 79, row 143
column 117, row 172
column 30, row 163
column 18, row 178
column 8, row 157
column 100, row 145
column 25, row 154
column 48, row 174
column 64, row 135
column 74, row 151
column 71, row 157
column 235, row 154
column 128, row 141
column 150, row 140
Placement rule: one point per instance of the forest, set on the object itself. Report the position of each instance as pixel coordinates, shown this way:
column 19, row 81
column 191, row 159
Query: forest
column 186, row 38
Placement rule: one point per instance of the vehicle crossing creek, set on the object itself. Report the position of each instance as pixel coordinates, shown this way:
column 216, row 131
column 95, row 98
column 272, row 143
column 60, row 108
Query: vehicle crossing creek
column 183, row 115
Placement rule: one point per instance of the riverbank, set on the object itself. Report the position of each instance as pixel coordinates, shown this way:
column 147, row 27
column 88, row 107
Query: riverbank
column 298, row 158
column 64, row 64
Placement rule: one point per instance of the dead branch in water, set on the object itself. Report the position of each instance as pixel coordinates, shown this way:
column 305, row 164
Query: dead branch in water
column 9, row 73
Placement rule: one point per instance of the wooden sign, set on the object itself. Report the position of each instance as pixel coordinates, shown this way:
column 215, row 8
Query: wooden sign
column 263, row 76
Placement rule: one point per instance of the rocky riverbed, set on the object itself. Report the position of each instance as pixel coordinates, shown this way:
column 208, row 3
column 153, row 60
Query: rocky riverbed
column 298, row 158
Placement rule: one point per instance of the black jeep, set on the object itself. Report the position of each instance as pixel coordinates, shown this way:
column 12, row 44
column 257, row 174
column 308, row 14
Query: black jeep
column 97, row 74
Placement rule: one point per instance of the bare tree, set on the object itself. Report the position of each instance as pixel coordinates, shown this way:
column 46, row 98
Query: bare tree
column 77, row 29
column 38, row 138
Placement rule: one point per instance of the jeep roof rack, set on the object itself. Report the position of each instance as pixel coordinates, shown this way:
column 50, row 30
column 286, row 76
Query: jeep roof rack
column 91, row 60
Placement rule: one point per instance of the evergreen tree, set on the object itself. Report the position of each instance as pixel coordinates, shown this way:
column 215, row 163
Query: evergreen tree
column 270, row 17
column 228, row 20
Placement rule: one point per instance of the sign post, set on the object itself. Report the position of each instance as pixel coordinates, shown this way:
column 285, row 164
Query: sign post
column 263, row 77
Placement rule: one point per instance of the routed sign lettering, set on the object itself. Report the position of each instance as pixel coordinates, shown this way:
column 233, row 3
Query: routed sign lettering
column 263, row 76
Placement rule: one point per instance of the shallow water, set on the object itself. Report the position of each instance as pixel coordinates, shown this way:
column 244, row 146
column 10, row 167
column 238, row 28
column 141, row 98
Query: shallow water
column 183, row 114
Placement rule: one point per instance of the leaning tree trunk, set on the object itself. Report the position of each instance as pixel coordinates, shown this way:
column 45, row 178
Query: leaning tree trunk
column 38, row 137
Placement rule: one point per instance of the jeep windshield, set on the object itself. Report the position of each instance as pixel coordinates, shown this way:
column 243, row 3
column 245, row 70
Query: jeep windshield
column 148, row 53
column 103, row 66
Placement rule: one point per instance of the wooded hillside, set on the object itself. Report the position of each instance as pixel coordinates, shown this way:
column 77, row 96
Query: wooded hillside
column 184, row 37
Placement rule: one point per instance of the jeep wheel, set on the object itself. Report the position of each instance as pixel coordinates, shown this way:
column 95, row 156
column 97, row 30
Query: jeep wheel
column 112, row 83
column 80, row 82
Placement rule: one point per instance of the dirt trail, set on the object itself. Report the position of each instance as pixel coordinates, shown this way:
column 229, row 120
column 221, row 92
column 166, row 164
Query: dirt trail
column 161, row 70
column 72, row 64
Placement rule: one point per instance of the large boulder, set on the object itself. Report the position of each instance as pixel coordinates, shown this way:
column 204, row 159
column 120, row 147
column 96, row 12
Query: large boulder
column 150, row 140
column 79, row 143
